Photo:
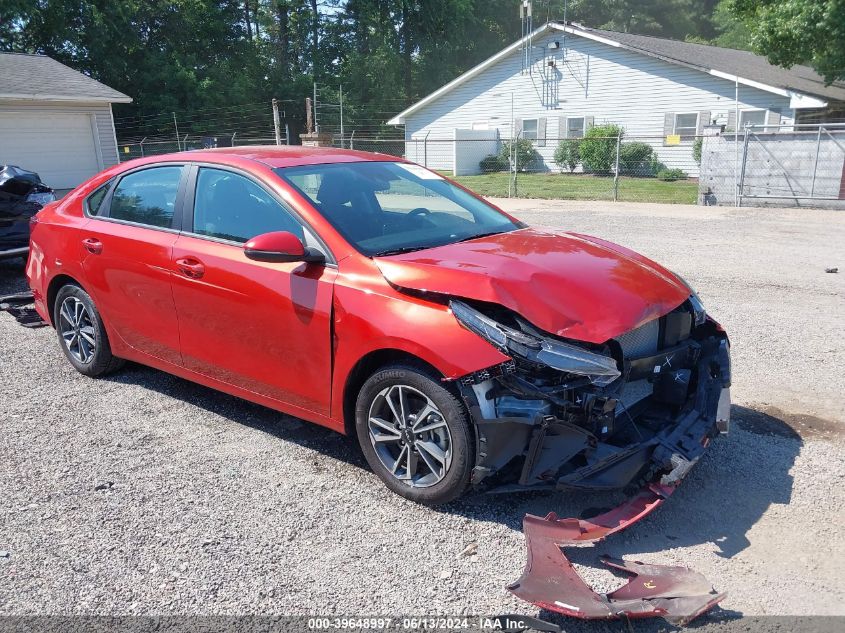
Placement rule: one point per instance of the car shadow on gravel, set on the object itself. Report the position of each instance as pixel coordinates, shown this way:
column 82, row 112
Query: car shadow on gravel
column 723, row 497
column 280, row 425
column 727, row 492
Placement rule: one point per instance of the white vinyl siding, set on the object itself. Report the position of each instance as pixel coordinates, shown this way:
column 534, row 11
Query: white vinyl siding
column 613, row 85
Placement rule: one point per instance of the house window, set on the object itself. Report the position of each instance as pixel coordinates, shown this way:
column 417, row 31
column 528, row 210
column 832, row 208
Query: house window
column 575, row 127
column 529, row 129
column 686, row 125
column 752, row 117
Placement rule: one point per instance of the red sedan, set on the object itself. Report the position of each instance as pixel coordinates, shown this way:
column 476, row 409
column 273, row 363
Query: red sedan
column 375, row 297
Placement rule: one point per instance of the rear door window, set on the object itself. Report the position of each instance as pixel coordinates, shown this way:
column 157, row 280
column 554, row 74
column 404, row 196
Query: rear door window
column 147, row 197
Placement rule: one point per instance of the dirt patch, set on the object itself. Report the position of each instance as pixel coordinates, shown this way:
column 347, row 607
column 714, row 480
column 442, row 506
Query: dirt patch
column 773, row 421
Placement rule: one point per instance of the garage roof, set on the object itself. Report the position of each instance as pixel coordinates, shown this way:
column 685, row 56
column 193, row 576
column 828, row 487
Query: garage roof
column 25, row 77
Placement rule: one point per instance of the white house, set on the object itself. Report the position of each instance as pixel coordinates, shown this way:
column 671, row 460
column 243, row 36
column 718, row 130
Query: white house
column 565, row 78
column 55, row 120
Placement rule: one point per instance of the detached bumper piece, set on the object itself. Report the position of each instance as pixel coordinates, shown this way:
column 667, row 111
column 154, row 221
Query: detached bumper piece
column 676, row 594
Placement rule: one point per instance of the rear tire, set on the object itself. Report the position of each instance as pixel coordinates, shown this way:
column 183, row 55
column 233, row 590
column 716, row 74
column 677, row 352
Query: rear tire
column 415, row 434
column 81, row 333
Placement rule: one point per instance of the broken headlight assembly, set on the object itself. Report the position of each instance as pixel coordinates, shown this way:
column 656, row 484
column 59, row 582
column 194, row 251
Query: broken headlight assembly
column 599, row 369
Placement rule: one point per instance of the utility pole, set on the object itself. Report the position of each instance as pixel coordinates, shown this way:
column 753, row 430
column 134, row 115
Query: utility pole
column 176, row 125
column 276, row 124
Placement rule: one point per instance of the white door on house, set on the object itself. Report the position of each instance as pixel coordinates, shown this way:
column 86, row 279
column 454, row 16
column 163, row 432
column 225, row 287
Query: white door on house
column 60, row 147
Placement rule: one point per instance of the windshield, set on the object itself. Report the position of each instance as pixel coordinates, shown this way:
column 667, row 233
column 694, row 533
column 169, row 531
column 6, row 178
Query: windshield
column 389, row 208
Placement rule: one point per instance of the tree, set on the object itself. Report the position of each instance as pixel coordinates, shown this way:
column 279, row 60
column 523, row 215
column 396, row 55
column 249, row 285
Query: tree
column 790, row 32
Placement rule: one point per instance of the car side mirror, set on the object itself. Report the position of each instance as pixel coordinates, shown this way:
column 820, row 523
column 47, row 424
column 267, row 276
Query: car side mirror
column 281, row 246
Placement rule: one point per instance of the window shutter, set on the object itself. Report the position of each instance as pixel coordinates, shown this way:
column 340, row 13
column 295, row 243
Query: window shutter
column 731, row 121
column 517, row 128
column 703, row 119
column 773, row 117
column 541, row 132
column 588, row 123
column 562, row 131
column 668, row 124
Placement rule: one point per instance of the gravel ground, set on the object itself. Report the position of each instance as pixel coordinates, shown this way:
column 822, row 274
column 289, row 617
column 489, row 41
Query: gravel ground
column 145, row 494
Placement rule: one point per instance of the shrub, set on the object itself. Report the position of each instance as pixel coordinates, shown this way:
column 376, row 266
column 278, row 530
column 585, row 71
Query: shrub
column 656, row 165
column 526, row 155
column 671, row 174
column 493, row 163
column 696, row 149
column 598, row 148
column 568, row 154
column 635, row 158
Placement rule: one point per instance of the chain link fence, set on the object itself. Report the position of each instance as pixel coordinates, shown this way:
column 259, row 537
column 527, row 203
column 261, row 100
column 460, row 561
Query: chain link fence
column 155, row 146
column 621, row 167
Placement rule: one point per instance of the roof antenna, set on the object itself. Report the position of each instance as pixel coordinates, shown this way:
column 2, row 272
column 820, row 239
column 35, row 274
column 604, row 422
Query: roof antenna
column 527, row 28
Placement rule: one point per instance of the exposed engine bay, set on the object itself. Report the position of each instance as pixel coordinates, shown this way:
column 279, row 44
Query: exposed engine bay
column 637, row 409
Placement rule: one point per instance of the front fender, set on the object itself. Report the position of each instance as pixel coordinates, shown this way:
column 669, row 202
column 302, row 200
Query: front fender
column 369, row 317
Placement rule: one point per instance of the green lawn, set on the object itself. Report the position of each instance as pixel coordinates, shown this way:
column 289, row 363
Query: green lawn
column 583, row 187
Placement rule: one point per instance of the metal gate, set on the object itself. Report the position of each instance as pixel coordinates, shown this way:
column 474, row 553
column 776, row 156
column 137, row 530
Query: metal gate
column 799, row 162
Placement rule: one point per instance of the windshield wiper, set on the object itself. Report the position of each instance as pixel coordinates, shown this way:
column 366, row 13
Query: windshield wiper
column 475, row 237
column 398, row 251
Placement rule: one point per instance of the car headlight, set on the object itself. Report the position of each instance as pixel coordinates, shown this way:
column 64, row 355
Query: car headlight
column 41, row 198
column 601, row 370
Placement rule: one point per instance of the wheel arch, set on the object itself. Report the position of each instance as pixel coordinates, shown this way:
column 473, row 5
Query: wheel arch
column 366, row 367
column 56, row 284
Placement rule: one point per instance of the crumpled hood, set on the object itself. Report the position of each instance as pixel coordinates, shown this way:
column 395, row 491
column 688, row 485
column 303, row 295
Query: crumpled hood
column 571, row 285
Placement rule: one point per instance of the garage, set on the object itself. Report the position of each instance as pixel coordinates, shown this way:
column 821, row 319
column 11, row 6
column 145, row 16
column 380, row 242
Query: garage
column 65, row 131
column 62, row 148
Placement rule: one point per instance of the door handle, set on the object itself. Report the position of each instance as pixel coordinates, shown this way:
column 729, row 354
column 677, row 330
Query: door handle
column 190, row 267
column 93, row 245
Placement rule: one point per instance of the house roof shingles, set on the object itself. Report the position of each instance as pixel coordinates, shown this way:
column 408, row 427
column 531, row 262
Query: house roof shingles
column 745, row 64
column 38, row 77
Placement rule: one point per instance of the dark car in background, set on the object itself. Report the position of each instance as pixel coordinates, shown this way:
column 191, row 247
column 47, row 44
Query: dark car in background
column 22, row 195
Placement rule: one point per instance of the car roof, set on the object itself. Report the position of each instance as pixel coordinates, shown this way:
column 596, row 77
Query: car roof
column 282, row 155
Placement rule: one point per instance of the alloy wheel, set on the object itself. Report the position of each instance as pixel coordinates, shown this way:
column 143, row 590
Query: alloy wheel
column 77, row 329
column 410, row 436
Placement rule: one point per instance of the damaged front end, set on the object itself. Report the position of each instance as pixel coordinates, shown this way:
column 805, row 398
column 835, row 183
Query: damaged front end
column 635, row 411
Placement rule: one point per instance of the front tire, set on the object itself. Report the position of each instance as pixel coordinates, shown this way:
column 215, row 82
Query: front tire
column 415, row 434
column 81, row 333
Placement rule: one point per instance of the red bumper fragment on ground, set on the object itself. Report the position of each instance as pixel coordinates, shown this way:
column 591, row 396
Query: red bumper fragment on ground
column 550, row 581
column 571, row 531
column 676, row 594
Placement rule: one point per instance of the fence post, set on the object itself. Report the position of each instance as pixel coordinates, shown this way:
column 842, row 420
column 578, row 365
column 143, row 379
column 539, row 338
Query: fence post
column 425, row 149
column 141, row 145
column 276, row 125
column 741, row 185
column 233, row 138
column 816, row 161
column 176, row 125
column 616, row 169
